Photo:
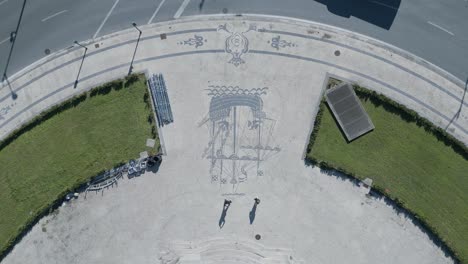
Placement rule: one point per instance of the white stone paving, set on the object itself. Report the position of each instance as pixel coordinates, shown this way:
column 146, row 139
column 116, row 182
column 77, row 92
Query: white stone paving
column 320, row 218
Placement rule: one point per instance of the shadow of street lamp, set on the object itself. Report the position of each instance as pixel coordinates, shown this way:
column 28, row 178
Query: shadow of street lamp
column 81, row 65
column 13, row 36
column 136, row 47
column 5, row 79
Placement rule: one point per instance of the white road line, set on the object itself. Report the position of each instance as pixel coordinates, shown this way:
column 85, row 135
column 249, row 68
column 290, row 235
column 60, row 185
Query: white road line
column 156, row 11
column 181, row 8
column 441, row 28
column 2, row 2
column 383, row 4
column 54, row 15
column 5, row 40
column 105, row 19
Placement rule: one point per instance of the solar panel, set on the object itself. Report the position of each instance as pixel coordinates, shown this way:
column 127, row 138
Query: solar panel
column 348, row 111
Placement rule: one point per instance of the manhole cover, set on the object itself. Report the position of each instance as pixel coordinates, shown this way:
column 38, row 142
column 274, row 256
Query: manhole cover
column 225, row 10
column 163, row 36
column 337, row 53
column 258, row 237
column 47, row 51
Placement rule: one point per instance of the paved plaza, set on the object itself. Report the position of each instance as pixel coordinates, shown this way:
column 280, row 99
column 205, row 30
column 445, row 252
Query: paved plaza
column 244, row 92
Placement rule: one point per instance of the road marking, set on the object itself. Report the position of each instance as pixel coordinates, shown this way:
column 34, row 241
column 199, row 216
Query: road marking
column 441, row 28
column 181, row 9
column 2, row 2
column 156, row 11
column 54, row 15
column 383, row 4
column 5, row 40
column 105, row 19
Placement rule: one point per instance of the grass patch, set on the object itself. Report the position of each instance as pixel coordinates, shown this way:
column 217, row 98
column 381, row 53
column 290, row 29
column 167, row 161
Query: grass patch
column 67, row 145
column 410, row 161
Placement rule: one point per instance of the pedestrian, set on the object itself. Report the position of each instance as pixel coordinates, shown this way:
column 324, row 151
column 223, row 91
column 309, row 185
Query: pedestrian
column 257, row 201
column 227, row 203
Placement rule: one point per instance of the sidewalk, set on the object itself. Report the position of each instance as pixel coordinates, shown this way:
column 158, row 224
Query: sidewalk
column 293, row 43
column 270, row 74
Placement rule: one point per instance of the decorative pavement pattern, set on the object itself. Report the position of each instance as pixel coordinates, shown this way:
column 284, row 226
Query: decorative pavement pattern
column 251, row 136
column 241, row 134
column 236, row 44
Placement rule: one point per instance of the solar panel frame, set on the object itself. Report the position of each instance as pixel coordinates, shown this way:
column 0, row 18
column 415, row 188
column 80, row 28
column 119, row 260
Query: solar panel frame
column 348, row 111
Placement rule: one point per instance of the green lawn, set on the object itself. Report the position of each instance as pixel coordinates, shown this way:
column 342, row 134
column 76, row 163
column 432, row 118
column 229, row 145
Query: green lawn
column 66, row 150
column 409, row 164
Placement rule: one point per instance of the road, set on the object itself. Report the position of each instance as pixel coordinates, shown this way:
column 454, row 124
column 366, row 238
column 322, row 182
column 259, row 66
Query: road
column 432, row 29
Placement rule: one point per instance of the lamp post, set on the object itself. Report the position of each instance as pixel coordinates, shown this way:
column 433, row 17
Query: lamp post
column 77, row 43
column 134, row 53
column 135, row 26
column 81, row 65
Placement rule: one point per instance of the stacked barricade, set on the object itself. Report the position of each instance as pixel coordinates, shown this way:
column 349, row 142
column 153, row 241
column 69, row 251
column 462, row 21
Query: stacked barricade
column 160, row 99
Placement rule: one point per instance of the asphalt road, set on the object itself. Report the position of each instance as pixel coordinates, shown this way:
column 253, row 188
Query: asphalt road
column 436, row 30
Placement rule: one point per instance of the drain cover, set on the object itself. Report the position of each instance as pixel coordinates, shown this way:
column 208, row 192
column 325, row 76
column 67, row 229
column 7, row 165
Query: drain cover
column 47, row 51
column 258, row 237
column 337, row 53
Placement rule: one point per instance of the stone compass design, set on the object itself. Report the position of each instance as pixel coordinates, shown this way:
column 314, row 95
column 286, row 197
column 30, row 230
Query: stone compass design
column 240, row 132
column 236, row 44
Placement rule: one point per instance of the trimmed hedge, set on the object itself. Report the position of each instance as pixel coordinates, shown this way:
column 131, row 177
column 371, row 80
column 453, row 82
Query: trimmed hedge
column 44, row 116
column 410, row 116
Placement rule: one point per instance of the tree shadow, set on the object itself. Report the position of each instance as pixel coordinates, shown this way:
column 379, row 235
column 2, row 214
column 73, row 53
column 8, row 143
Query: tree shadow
column 381, row 13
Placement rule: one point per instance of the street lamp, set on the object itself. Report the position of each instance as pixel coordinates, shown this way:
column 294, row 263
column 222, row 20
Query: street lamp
column 81, row 65
column 134, row 53
column 135, row 26
column 77, row 43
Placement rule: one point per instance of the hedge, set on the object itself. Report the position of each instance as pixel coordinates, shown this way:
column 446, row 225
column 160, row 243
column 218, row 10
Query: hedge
column 44, row 116
column 409, row 116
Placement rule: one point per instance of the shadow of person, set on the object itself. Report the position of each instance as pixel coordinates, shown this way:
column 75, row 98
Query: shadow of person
column 252, row 213
column 222, row 219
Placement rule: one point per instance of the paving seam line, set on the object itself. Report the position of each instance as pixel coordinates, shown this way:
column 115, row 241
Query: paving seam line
column 210, row 30
column 270, row 18
column 79, row 58
column 252, row 51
